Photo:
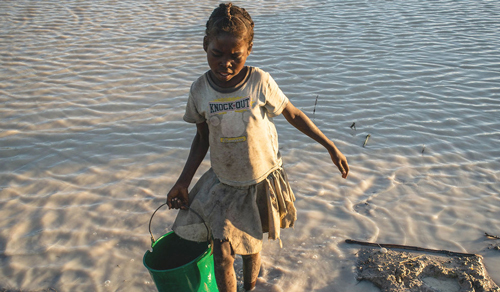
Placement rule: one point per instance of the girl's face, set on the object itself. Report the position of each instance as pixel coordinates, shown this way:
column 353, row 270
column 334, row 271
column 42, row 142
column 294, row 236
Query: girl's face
column 226, row 56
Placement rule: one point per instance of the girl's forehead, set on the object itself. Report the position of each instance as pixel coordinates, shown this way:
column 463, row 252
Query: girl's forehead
column 231, row 35
column 228, row 41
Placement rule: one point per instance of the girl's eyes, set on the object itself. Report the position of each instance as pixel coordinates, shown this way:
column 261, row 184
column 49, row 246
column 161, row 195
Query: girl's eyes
column 234, row 57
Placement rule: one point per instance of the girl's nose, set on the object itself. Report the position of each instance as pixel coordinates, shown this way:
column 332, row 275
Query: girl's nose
column 226, row 63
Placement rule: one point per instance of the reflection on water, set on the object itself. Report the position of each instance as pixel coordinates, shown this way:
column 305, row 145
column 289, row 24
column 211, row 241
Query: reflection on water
column 92, row 137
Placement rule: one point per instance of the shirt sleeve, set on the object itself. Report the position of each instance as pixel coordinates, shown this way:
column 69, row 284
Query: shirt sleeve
column 192, row 115
column 276, row 100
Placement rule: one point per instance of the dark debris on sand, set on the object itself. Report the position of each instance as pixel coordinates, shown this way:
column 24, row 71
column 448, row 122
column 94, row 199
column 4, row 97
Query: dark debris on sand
column 392, row 271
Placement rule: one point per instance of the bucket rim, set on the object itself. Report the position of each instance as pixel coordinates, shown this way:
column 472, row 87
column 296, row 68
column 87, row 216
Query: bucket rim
column 173, row 269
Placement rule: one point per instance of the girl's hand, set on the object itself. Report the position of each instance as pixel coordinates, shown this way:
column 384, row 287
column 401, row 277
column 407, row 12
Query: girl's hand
column 340, row 161
column 178, row 198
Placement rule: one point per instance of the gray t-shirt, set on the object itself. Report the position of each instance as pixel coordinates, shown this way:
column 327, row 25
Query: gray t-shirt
column 243, row 138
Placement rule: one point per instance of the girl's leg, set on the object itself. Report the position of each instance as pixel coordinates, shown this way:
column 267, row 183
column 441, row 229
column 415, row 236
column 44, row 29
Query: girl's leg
column 224, row 269
column 251, row 269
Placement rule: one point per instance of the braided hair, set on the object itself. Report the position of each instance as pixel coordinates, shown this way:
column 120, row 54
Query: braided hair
column 229, row 18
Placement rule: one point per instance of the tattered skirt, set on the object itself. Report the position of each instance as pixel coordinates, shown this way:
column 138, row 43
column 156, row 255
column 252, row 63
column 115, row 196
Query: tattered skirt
column 239, row 215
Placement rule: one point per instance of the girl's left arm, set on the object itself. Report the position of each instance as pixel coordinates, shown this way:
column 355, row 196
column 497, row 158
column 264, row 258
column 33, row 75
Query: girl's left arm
column 302, row 122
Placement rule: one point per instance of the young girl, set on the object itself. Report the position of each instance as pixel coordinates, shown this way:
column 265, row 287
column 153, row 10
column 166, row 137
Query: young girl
column 246, row 191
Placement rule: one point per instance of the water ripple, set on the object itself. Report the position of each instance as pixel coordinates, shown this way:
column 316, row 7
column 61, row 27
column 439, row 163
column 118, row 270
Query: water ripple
column 92, row 137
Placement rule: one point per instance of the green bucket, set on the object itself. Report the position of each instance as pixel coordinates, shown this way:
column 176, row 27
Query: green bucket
column 179, row 265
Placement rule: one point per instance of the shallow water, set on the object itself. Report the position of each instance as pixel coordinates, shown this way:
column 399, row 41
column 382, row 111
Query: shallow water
column 92, row 137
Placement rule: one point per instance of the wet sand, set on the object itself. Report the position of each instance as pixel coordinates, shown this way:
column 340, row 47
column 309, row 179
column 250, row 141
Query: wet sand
column 92, row 95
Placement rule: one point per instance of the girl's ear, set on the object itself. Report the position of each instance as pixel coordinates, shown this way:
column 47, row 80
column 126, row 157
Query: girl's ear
column 205, row 43
column 250, row 46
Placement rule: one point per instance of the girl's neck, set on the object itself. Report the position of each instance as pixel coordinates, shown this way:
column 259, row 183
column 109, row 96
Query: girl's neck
column 235, row 83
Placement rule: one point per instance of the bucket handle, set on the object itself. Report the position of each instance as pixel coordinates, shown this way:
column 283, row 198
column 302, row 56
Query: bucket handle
column 162, row 205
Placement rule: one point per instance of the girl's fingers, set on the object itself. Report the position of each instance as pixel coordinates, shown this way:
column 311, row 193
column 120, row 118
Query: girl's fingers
column 344, row 173
column 176, row 203
column 177, row 199
column 346, row 170
column 179, row 204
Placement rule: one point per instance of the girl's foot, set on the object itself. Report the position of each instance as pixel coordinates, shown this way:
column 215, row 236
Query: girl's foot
column 241, row 288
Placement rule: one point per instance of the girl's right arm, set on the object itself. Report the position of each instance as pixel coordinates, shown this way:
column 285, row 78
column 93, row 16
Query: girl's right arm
column 178, row 196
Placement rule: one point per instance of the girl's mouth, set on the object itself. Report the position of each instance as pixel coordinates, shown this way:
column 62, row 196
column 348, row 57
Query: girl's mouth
column 224, row 74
